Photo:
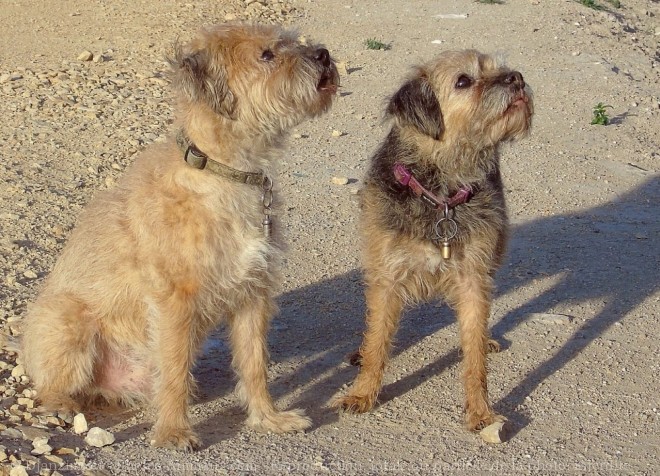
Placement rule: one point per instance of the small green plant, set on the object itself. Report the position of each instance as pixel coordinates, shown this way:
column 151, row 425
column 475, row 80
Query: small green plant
column 374, row 44
column 600, row 114
column 596, row 6
column 591, row 4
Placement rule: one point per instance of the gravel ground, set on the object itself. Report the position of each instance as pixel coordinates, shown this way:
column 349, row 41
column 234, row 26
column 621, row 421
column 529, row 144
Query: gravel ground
column 577, row 305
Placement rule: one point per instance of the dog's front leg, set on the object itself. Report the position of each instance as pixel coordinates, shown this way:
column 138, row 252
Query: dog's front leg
column 384, row 307
column 248, row 328
column 471, row 297
column 175, row 347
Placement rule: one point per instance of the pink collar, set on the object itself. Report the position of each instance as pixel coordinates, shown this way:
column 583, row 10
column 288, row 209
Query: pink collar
column 407, row 179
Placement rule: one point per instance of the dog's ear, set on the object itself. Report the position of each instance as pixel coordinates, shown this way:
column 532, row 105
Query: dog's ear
column 201, row 79
column 416, row 104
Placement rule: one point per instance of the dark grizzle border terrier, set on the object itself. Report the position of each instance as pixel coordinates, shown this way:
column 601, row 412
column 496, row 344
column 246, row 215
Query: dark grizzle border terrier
column 183, row 242
column 433, row 219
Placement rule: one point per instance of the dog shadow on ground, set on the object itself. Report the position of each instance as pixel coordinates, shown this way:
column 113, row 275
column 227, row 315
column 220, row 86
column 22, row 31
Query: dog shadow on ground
column 608, row 253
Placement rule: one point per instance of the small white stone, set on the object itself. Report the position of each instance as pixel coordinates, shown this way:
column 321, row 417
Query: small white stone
column 340, row 180
column 79, row 424
column 27, row 402
column 18, row 371
column 85, row 56
column 342, row 68
column 337, row 133
column 18, row 471
column 99, row 437
column 54, row 459
column 40, row 441
column 30, row 274
column 493, row 433
column 547, row 318
column 41, row 449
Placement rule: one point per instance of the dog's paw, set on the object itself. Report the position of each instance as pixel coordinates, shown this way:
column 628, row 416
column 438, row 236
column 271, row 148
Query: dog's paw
column 354, row 403
column 280, row 422
column 477, row 421
column 183, row 439
column 355, row 359
column 493, row 346
column 60, row 403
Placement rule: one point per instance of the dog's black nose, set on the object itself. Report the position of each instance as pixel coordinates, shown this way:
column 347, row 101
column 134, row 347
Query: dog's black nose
column 515, row 78
column 322, row 56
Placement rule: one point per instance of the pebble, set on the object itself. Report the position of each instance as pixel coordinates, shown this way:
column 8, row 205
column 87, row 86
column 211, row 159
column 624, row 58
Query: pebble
column 547, row 318
column 18, row 371
column 30, row 274
column 40, row 440
column 27, row 402
column 54, row 459
column 41, row 449
column 18, row 471
column 11, row 433
column 79, row 424
column 337, row 133
column 99, row 437
column 342, row 67
column 85, row 56
column 493, row 433
column 65, row 451
column 340, row 180
column 32, row 432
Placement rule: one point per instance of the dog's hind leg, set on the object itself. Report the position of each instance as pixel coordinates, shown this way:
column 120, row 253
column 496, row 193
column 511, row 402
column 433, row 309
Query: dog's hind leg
column 59, row 347
column 248, row 331
column 384, row 307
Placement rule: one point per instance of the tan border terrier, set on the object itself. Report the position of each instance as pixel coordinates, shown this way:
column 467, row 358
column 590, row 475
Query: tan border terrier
column 184, row 241
column 434, row 221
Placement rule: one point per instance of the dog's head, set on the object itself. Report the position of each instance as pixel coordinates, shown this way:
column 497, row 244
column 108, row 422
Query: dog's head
column 465, row 95
column 262, row 77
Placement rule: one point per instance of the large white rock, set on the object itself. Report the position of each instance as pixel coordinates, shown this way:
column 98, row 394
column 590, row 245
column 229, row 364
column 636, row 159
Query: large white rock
column 99, row 437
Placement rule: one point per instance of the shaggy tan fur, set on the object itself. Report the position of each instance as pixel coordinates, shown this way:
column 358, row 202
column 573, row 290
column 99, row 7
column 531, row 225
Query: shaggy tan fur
column 159, row 261
column 448, row 121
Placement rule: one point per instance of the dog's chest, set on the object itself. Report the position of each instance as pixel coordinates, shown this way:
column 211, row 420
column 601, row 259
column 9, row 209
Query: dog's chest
column 241, row 251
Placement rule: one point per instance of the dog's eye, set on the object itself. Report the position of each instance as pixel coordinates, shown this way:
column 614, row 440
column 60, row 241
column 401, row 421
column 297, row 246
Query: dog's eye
column 463, row 81
column 267, row 56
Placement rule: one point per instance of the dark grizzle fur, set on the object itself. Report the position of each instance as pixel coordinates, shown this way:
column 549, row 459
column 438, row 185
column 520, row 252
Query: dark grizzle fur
column 406, row 213
column 446, row 131
column 415, row 104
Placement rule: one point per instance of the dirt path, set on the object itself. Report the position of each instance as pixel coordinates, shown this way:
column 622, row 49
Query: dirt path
column 581, row 391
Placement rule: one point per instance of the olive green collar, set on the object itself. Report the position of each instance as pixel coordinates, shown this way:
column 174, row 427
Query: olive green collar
column 199, row 160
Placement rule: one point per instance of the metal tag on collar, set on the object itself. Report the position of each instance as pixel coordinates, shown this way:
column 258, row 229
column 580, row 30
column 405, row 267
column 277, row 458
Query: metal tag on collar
column 267, row 201
column 193, row 159
column 445, row 231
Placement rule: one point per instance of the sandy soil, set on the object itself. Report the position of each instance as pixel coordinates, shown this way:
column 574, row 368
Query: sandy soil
column 577, row 304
